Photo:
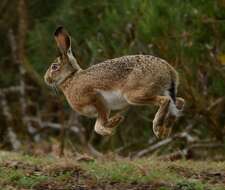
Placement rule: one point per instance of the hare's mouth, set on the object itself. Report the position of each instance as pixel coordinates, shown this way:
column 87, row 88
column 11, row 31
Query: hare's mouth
column 52, row 84
column 48, row 81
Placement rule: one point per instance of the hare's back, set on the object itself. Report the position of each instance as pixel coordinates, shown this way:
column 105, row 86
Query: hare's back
column 121, row 67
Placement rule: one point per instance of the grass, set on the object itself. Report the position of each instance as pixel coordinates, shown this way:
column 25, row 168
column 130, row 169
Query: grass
column 183, row 174
column 19, row 171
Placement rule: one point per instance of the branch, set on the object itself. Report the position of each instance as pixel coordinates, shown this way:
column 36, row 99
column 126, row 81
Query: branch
column 154, row 147
column 189, row 153
column 10, row 89
column 166, row 141
column 9, row 120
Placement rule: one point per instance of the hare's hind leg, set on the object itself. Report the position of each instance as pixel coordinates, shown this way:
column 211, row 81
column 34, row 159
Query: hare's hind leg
column 105, row 125
column 159, row 128
column 161, row 116
column 165, row 118
column 170, row 118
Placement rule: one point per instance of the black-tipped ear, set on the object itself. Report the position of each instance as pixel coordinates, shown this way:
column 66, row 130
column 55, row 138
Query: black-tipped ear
column 62, row 39
column 58, row 30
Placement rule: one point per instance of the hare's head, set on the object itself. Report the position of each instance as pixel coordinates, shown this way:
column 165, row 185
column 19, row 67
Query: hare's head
column 65, row 65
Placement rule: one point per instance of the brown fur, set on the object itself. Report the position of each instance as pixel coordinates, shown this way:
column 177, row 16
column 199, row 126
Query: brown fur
column 116, row 83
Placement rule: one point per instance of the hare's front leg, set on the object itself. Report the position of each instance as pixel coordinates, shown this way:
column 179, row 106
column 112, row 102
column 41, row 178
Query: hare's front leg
column 105, row 125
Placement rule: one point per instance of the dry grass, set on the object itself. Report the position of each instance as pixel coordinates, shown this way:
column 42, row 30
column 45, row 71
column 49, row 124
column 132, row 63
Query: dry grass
column 19, row 171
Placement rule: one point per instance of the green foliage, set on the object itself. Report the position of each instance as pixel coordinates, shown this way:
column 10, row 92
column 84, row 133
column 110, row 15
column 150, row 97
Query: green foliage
column 189, row 186
column 19, row 178
column 183, row 33
column 188, row 34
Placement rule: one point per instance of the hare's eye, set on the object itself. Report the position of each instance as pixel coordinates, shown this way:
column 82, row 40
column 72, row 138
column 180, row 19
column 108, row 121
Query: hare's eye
column 55, row 67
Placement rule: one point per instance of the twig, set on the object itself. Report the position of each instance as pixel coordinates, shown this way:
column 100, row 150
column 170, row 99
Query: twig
column 94, row 152
column 203, row 145
column 215, row 103
column 14, row 89
column 188, row 152
column 153, row 147
column 8, row 116
column 18, row 59
column 64, row 125
column 166, row 141
column 176, row 155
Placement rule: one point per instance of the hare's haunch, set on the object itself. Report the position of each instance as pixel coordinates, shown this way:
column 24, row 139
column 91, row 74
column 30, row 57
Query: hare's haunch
column 115, row 84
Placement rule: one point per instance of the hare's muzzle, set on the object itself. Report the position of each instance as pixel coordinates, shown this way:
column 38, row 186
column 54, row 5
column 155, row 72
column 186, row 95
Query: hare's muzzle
column 48, row 80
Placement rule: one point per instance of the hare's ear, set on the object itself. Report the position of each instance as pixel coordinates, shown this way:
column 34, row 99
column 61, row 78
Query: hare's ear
column 62, row 39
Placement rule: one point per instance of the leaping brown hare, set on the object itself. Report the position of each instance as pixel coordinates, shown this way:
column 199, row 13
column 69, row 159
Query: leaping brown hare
column 114, row 84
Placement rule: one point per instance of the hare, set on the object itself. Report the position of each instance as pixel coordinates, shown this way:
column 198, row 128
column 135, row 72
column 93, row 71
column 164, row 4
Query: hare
column 115, row 84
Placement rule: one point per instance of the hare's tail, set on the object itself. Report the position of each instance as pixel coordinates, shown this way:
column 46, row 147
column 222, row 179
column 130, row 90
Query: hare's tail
column 172, row 91
column 173, row 84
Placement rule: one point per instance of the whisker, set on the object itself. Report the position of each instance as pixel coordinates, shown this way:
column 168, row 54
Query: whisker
column 55, row 89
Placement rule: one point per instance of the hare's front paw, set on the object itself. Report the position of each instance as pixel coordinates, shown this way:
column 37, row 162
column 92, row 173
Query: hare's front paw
column 104, row 131
column 114, row 121
column 108, row 128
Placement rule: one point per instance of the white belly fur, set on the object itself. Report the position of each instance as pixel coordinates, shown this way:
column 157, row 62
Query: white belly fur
column 114, row 99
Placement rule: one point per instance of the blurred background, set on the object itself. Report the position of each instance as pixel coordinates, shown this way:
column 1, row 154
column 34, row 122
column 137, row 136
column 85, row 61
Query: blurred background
column 189, row 34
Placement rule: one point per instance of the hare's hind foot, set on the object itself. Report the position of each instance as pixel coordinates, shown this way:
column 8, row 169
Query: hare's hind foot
column 164, row 129
column 164, row 118
column 101, row 130
column 159, row 128
column 180, row 103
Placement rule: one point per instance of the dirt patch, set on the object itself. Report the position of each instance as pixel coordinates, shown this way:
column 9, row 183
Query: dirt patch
column 100, row 186
column 14, row 164
column 29, row 170
column 211, row 177
column 78, row 179
column 64, row 169
column 181, row 171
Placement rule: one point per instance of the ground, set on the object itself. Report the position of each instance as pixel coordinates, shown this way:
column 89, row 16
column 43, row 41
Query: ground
column 18, row 171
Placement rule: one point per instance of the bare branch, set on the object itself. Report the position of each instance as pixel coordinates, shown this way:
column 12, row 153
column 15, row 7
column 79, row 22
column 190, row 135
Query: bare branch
column 153, row 147
column 167, row 141
column 8, row 116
